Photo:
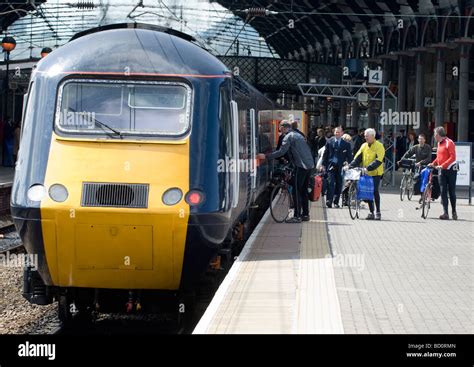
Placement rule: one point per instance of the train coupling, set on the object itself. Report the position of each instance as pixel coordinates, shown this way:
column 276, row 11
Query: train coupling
column 130, row 303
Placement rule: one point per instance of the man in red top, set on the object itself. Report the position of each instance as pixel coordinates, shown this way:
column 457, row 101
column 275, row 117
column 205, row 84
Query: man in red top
column 446, row 162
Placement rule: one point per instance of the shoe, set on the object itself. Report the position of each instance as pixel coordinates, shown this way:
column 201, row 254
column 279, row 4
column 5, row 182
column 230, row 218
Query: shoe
column 455, row 216
column 293, row 220
column 378, row 216
column 336, row 206
column 370, row 216
column 305, row 218
column 328, row 204
column 444, row 216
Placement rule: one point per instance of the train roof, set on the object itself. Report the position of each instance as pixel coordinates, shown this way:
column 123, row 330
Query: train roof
column 137, row 49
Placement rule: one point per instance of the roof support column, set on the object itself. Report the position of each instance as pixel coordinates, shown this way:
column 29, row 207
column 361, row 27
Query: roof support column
column 420, row 91
column 402, row 83
column 342, row 112
column 355, row 114
column 440, row 85
column 370, row 116
column 326, row 115
column 463, row 116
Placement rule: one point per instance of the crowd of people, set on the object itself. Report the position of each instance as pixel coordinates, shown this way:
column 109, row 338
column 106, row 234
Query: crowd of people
column 331, row 150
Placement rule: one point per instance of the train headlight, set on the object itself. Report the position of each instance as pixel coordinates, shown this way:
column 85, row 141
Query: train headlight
column 194, row 197
column 36, row 192
column 172, row 196
column 58, row 193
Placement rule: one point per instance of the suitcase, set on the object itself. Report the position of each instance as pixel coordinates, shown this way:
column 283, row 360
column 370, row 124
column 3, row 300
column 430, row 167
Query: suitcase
column 316, row 186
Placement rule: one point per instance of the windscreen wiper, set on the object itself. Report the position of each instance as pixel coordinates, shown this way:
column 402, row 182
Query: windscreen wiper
column 108, row 127
column 101, row 124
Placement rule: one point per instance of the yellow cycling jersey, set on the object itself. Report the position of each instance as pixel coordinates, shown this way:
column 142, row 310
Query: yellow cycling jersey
column 370, row 153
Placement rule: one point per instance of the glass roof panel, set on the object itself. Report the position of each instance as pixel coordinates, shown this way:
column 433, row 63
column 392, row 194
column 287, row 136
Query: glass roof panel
column 215, row 28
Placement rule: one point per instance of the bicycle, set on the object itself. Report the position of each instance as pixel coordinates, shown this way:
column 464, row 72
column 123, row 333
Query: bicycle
column 426, row 199
column 280, row 208
column 407, row 185
column 387, row 173
column 353, row 175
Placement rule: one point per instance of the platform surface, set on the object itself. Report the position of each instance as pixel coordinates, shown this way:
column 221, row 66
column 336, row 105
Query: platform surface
column 334, row 275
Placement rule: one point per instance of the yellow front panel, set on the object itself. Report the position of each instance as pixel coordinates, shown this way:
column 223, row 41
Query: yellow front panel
column 116, row 247
column 111, row 246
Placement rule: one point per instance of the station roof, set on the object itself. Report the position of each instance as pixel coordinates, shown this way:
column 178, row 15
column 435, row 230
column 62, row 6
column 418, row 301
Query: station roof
column 10, row 11
column 320, row 24
column 321, row 31
column 55, row 22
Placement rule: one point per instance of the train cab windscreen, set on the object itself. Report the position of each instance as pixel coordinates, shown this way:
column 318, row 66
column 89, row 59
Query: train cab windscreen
column 123, row 108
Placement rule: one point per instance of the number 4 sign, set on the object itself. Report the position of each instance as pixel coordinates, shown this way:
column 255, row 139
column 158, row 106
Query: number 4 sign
column 375, row 76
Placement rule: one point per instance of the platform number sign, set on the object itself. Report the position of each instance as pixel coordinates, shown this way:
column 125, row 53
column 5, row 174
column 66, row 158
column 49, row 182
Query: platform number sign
column 375, row 76
column 429, row 102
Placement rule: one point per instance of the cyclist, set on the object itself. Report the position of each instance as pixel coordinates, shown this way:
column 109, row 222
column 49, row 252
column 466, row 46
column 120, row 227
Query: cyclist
column 300, row 155
column 422, row 153
column 446, row 162
column 370, row 156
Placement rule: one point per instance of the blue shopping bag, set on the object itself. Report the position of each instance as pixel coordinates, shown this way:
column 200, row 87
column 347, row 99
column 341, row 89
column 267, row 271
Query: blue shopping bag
column 424, row 176
column 365, row 188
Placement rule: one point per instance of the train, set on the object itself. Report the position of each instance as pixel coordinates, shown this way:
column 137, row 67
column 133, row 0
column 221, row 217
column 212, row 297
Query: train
column 137, row 168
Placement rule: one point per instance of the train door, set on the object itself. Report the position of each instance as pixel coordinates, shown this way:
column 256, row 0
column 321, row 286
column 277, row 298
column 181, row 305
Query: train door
column 234, row 166
column 253, row 154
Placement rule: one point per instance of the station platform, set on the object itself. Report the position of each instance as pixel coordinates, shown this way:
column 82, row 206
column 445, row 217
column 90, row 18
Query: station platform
column 333, row 275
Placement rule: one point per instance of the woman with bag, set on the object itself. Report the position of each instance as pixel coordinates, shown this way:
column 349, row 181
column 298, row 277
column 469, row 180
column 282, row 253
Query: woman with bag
column 370, row 156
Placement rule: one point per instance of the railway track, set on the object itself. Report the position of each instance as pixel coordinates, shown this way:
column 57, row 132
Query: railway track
column 9, row 238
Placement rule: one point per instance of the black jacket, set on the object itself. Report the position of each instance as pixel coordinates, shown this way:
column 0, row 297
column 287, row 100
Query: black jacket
column 332, row 153
column 295, row 145
column 422, row 154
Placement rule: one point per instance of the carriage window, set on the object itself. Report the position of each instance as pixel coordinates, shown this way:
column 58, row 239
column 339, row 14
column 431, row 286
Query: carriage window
column 226, row 121
column 117, row 108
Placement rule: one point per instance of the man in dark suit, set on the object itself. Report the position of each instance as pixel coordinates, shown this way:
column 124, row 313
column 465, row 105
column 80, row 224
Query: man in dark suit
column 336, row 153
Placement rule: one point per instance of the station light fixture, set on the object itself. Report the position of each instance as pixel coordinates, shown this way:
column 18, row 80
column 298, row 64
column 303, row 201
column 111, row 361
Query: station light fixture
column 45, row 52
column 8, row 44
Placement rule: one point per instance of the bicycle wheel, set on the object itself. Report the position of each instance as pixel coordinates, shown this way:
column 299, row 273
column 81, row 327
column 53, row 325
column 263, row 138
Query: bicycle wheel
column 352, row 201
column 403, row 187
column 410, row 188
column 426, row 202
column 280, row 207
column 387, row 178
